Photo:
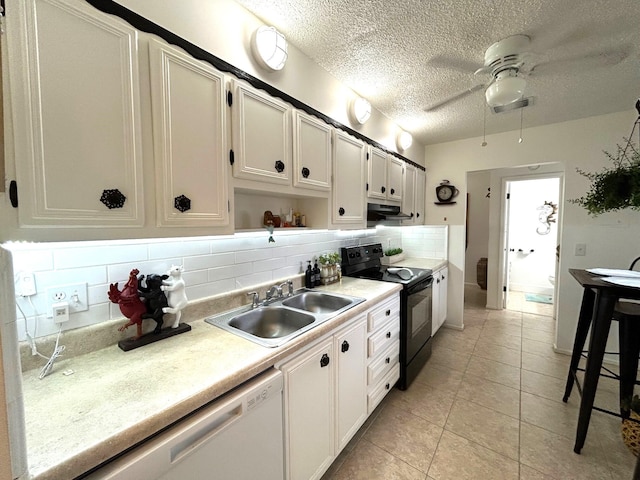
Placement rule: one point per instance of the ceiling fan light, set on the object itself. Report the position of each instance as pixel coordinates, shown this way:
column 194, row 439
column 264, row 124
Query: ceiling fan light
column 269, row 48
column 505, row 90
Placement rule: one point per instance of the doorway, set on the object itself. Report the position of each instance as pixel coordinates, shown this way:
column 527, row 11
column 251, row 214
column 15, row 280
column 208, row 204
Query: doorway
column 529, row 241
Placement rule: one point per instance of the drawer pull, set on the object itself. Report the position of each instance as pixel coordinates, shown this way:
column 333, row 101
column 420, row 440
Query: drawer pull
column 345, row 346
column 387, row 386
column 388, row 334
column 324, row 361
column 387, row 360
column 388, row 312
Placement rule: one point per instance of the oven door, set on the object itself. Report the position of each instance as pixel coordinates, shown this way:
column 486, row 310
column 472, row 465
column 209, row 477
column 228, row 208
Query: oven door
column 419, row 299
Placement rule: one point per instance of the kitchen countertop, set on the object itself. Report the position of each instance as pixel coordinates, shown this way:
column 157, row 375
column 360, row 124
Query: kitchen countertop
column 432, row 263
column 95, row 405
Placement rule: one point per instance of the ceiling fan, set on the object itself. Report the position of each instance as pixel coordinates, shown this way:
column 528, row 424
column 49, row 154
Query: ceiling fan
column 508, row 62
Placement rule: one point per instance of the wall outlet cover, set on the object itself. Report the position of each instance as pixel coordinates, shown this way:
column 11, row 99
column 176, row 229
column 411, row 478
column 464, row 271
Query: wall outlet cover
column 74, row 294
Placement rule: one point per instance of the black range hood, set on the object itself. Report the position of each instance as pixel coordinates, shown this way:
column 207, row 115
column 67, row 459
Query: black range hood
column 385, row 214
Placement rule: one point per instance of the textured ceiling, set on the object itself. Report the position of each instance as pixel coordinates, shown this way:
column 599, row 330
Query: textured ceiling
column 404, row 56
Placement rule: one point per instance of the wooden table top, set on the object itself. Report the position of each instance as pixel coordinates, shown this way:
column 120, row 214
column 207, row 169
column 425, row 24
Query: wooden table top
column 591, row 280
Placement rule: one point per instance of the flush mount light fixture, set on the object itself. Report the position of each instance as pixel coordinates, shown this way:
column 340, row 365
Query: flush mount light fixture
column 269, row 48
column 404, row 140
column 360, row 110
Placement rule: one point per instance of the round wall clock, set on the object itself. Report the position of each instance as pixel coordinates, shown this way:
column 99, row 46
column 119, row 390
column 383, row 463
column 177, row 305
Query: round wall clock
column 445, row 192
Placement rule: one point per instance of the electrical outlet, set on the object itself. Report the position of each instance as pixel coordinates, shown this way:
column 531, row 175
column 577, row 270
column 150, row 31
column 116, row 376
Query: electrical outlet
column 75, row 295
column 26, row 284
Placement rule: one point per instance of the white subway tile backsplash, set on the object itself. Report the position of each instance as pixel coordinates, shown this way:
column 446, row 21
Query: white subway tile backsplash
column 212, row 266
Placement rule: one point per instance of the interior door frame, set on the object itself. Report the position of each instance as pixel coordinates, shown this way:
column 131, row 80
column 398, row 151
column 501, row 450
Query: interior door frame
column 503, row 264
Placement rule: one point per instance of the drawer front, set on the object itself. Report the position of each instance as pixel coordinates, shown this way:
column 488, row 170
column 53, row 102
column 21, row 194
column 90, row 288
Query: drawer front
column 383, row 364
column 380, row 391
column 384, row 338
column 382, row 314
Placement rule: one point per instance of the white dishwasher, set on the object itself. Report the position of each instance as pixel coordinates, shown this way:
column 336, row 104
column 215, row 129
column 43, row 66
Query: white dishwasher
column 239, row 437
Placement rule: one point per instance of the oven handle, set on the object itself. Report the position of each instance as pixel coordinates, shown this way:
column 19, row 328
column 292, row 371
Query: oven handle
column 422, row 285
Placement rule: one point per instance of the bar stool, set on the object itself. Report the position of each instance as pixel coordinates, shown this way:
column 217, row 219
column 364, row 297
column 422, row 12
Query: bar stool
column 627, row 314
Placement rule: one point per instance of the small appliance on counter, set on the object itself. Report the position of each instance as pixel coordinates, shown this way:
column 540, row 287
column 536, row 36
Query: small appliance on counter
column 415, row 303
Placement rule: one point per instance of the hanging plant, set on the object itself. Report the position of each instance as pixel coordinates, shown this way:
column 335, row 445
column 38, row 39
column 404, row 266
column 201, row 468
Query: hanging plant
column 615, row 187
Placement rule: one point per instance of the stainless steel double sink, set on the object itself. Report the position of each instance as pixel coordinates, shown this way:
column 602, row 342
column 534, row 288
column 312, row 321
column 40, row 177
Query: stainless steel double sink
column 281, row 320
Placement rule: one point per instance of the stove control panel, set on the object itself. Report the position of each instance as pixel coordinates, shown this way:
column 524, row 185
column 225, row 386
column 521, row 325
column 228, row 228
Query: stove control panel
column 361, row 254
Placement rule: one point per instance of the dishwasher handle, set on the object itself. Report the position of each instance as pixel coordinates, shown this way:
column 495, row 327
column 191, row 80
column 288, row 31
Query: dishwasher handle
column 214, row 426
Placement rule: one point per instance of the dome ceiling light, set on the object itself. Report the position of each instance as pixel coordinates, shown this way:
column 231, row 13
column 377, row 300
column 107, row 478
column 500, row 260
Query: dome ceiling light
column 269, row 48
column 360, row 110
column 404, row 140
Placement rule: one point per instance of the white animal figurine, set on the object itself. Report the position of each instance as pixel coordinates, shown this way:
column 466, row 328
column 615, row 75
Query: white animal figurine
column 176, row 296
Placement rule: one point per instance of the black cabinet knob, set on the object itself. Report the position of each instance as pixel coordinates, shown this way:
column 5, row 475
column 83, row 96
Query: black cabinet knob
column 393, row 190
column 387, row 386
column 279, row 166
column 113, row 198
column 388, row 312
column 341, row 211
column 417, row 215
column 387, row 360
column 388, row 334
column 182, row 203
column 324, row 361
column 383, row 189
column 305, row 172
column 345, row 346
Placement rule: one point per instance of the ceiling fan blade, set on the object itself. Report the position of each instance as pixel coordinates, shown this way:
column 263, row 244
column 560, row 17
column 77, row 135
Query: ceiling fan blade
column 588, row 61
column 454, row 98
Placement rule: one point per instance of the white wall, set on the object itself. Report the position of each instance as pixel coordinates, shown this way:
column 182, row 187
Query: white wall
column 611, row 239
column 478, row 184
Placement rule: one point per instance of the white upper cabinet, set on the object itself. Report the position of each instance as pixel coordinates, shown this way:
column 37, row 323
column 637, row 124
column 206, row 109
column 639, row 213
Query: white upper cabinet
column 76, row 115
column 261, row 136
column 421, row 185
column 384, row 176
column 395, row 168
column 348, row 206
column 311, row 152
column 189, row 131
column 377, row 174
column 408, row 199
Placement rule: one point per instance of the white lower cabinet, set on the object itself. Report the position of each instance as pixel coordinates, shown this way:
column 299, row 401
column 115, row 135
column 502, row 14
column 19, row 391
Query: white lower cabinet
column 439, row 312
column 329, row 389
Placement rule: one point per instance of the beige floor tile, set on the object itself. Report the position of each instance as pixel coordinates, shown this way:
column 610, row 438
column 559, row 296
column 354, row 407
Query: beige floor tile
column 470, row 319
column 490, row 394
column 470, row 333
column 557, row 417
column 449, row 358
column 440, row 376
column 538, row 322
column 490, row 337
column 369, row 462
column 555, row 367
column 528, row 473
column 460, row 459
column 620, row 459
column 431, row 403
column 544, row 349
column 504, row 315
column 495, row 331
column 394, row 426
column 444, row 338
column 548, row 387
column 491, row 429
column 494, row 371
column 552, row 454
column 498, row 353
column 539, row 335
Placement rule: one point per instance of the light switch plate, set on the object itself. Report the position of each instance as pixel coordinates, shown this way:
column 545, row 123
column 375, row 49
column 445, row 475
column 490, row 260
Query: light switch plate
column 75, row 295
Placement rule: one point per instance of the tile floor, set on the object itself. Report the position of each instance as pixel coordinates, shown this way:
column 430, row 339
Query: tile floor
column 488, row 405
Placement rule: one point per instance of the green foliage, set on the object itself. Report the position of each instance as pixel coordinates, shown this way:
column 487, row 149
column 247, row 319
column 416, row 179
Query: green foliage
column 393, row 251
column 329, row 258
column 616, row 187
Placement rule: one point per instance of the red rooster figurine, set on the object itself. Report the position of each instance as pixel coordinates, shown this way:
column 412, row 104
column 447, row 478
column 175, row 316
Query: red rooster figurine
column 130, row 304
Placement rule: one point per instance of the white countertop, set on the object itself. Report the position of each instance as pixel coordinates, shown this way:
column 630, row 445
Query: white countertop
column 115, row 399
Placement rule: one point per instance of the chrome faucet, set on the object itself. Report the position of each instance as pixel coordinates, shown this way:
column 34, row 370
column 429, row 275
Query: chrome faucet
column 289, row 285
column 273, row 293
column 255, row 300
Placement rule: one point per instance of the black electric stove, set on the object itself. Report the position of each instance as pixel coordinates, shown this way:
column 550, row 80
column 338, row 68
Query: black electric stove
column 415, row 303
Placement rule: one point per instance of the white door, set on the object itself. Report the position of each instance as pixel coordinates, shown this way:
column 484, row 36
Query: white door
column 311, row 152
column 408, row 196
column 395, row 167
column 377, row 175
column 349, row 173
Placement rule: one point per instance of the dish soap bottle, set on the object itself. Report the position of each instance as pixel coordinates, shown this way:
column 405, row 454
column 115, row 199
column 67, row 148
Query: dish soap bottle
column 316, row 273
column 309, row 279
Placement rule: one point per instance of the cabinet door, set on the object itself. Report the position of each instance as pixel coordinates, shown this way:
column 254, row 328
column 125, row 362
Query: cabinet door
column 421, row 179
column 435, row 305
column 189, row 139
column 309, row 408
column 76, row 115
column 444, row 274
column 348, row 194
column 408, row 197
column 351, row 382
column 395, row 167
column 439, row 310
column 377, row 174
column 311, row 152
column 261, row 137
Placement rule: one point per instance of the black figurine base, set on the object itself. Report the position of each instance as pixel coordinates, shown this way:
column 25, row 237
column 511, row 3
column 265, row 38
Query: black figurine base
column 147, row 338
